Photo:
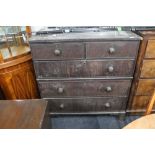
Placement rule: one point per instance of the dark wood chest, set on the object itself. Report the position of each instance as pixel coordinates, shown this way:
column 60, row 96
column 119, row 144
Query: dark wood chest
column 85, row 72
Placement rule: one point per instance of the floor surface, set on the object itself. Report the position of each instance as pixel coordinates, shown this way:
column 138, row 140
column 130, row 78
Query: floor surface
column 90, row 122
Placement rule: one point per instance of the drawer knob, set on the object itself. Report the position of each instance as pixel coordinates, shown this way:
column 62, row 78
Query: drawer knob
column 60, row 90
column 61, row 106
column 40, row 76
column 57, row 52
column 111, row 50
column 108, row 89
column 110, row 69
column 107, row 105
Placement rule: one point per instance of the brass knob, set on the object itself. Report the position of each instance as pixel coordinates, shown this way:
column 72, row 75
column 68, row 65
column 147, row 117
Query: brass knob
column 57, row 52
column 111, row 50
column 110, row 69
column 62, row 106
column 60, row 90
column 107, row 105
column 108, row 89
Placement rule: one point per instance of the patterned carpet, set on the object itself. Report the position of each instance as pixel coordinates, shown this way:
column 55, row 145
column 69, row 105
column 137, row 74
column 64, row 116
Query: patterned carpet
column 90, row 122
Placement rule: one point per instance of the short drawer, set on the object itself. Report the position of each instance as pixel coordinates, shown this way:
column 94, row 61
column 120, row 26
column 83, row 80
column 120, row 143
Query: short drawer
column 112, row 49
column 150, row 50
column 145, row 87
column 91, row 68
column 70, row 88
column 57, row 51
column 140, row 102
column 87, row 105
column 148, row 69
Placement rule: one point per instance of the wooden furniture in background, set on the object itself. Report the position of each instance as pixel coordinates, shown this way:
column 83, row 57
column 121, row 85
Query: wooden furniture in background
column 28, row 31
column 1, row 94
column 85, row 73
column 145, row 122
column 17, row 78
column 24, row 114
column 144, row 78
column 1, row 58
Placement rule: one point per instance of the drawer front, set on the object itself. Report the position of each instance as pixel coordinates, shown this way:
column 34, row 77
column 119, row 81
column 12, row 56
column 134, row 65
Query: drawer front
column 150, row 50
column 87, row 105
column 140, row 102
column 145, row 87
column 63, row 88
column 57, row 51
column 101, row 68
column 114, row 49
column 148, row 69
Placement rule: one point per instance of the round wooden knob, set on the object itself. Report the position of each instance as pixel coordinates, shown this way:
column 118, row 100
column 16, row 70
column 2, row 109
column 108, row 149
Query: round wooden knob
column 57, row 52
column 110, row 69
column 108, row 89
column 111, row 50
column 40, row 76
column 60, row 90
column 107, row 105
column 61, row 106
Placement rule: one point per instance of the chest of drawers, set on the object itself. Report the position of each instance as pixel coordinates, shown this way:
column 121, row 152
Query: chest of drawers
column 144, row 79
column 86, row 73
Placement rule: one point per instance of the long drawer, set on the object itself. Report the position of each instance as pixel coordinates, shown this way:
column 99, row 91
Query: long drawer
column 145, row 87
column 105, row 104
column 89, row 68
column 58, row 51
column 112, row 49
column 83, row 88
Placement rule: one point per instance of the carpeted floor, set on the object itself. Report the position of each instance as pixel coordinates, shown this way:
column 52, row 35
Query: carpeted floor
column 90, row 122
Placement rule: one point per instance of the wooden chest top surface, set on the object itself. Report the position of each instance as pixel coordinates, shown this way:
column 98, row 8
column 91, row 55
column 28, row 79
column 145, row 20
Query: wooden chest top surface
column 107, row 35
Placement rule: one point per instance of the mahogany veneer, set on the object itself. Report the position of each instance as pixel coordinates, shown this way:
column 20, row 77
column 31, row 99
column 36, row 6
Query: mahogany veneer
column 24, row 114
column 17, row 78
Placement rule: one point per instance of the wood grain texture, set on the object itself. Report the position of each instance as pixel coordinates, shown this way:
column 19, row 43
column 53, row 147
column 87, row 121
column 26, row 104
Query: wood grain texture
column 100, row 68
column 150, row 104
column 24, row 114
column 123, row 49
column 145, row 87
column 1, row 94
column 150, row 50
column 148, row 69
column 67, row 51
column 15, row 60
column 137, row 72
column 70, row 88
column 18, row 80
column 143, row 83
column 140, row 102
column 106, row 104
column 1, row 57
